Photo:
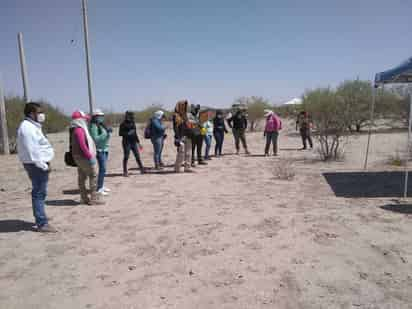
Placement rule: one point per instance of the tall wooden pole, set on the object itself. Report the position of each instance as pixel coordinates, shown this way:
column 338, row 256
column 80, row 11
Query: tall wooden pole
column 88, row 63
column 23, row 67
column 3, row 122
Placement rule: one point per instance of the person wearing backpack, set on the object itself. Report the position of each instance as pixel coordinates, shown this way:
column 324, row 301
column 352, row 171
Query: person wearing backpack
column 157, row 136
column 182, row 126
column 130, row 142
column 197, row 137
column 272, row 128
column 101, row 136
column 84, row 154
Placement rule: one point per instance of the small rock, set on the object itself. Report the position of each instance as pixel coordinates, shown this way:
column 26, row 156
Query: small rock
column 2, row 190
column 132, row 267
column 162, row 297
column 191, row 273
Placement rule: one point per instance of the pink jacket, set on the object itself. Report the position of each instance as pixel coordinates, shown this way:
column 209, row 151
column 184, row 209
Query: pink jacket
column 273, row 123
column 81, row 141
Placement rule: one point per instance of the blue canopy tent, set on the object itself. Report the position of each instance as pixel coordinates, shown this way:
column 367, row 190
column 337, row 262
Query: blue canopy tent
column 400, row 74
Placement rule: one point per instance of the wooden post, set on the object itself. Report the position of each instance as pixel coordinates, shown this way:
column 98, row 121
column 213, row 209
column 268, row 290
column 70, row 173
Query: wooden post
column 3, row 122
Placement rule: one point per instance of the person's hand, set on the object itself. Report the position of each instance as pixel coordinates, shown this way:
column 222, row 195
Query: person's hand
column 165, row 136
column 110, row 130
column 42, row 165
column 131, row 132
column 177, row 142
column 93, row 161
column 264, row 134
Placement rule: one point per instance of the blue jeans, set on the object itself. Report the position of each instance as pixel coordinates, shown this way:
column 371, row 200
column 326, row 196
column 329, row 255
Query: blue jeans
column 39, row 180
column 158, row 149
column 102, row 157
column 208, row 142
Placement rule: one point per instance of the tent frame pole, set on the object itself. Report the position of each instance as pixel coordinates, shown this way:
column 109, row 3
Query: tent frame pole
column 405, row 192
column 371, row 121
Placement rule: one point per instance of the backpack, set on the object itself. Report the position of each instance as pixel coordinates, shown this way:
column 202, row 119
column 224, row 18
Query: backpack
column 148, row 130
column 68, row 156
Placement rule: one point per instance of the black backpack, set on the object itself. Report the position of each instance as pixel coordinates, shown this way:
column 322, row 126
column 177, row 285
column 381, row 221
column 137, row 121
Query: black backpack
column 68, row 156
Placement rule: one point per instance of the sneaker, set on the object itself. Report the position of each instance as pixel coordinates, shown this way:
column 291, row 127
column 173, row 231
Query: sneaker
column 193, row 165
column 106, row 189
column 102, row 192
column 47, row 228
column 202, row 163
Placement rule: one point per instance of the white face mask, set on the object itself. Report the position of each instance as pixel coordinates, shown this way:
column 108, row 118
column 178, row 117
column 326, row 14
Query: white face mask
column 41, row 117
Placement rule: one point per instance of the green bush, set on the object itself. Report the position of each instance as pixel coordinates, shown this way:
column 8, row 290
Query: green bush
column 56, row 121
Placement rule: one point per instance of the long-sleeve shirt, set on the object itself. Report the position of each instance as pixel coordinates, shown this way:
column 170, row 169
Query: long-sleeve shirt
column 32, row 146
column 158, row 129
column 128, row 132
column 238, row 122
column 80, row 140
column 100, row 136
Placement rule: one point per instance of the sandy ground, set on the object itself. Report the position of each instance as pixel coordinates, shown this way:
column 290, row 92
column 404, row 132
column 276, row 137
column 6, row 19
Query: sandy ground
column 229, row 236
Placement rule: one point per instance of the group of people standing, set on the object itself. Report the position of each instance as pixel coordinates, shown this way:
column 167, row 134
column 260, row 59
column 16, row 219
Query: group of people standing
column 90, row 139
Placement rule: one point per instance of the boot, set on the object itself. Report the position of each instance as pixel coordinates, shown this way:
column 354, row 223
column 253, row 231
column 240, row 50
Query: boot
column 125, row 171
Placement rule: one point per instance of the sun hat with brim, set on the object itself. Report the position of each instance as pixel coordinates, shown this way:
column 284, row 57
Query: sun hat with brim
column 98, row 112
column 80, row 115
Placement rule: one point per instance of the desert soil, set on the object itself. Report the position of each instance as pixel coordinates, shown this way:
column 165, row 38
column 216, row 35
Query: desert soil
column 231, row 235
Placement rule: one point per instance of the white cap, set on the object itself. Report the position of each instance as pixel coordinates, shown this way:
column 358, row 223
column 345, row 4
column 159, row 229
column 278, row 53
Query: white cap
column 98, row 112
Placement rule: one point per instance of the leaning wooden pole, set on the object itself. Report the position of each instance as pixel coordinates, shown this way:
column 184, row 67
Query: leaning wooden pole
column 3, row 122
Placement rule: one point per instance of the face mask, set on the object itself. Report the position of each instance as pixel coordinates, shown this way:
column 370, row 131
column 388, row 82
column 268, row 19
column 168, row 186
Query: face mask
column 100, row 119
column 41, row 117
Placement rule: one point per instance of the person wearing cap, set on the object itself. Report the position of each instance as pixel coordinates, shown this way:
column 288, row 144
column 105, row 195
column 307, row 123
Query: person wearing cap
column 304, row 124
column 238, row 123
column 36, row 152
column 84, row 154
column 101, row 136
column 130, row 142
column 272, row 127
column 157, row 137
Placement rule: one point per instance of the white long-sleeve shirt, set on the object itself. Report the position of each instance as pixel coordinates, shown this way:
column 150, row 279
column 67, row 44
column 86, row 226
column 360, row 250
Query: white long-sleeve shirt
column 32, row 146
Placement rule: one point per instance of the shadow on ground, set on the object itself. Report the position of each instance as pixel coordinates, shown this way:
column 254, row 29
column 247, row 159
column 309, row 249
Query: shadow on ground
column 14, row 226
column 64, row 202
column 367, row 184
column 399, row 208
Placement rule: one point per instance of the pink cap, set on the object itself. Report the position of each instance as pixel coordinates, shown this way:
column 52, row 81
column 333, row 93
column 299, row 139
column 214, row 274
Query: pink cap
column 80, row 115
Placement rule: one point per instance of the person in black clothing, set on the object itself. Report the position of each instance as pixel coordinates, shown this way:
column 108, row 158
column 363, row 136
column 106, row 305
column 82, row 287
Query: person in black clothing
column 130, row 142
column 304, row 124
column 198, row 138
column 238, row 124
column 219, row 130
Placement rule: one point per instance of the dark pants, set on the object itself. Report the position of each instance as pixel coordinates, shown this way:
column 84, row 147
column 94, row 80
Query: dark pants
column 197, row 144
column 240, row 136
column 219, row 137
column 102, row 157
column 39, row 180
column 133, row 147
column 272, row 138
column 306, row 137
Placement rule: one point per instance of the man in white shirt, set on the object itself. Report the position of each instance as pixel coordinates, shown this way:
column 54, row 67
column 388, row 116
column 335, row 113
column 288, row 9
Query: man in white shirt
column 35, row 152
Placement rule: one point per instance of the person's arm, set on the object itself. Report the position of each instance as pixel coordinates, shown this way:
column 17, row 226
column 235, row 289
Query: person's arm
column 158, row 126
column 122, row 131
column 80, row 137
column 224, row 127
column 229, row 122
column 246, row 123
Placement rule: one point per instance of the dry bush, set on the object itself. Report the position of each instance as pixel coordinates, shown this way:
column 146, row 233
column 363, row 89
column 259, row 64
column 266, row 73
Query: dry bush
column 284, row 171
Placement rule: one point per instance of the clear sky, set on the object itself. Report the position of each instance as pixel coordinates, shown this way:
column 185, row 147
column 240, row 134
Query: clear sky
column 210, row 52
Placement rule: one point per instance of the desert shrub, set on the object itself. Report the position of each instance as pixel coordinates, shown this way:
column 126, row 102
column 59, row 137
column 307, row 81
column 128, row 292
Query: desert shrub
column 396, row 159
column 327, row 112
column 284, row 171
column 56, row 121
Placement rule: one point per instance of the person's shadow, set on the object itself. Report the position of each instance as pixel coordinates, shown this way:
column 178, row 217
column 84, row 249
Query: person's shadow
column 14, row 226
